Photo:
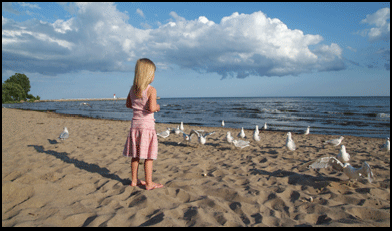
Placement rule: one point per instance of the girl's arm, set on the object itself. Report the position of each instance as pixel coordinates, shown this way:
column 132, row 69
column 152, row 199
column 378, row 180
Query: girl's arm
column 128, row 104
column 152, row 105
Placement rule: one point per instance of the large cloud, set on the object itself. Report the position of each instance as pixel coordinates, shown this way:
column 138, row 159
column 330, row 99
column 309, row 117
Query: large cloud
column 381, row 31
column 98, row 38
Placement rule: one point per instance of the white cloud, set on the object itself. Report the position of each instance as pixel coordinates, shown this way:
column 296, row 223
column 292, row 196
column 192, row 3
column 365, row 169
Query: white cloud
column 381, row 31
column 140, row 12
column 98, row 38
column 29, row 5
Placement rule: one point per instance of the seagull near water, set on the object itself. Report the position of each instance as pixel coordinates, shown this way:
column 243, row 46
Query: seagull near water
column 307, row 131
column 85, row 104
column 387, row 146
column 242, row 133
column 350, row 171
column 290, row 142
column 343, row 156
column 187, row 137
column 165, row 133
column 182, row 126
column 223, row 123
column 334, row 142
column 64, row 135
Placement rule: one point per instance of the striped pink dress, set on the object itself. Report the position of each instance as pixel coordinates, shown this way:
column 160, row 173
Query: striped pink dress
column 142, row 141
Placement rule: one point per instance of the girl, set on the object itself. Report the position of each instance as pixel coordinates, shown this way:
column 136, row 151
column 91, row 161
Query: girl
column 142, row 142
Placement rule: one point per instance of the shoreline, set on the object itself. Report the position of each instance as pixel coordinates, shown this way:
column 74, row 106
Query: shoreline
column 84, row 180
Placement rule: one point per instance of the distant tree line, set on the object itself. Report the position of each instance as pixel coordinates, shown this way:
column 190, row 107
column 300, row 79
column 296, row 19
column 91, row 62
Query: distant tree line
column 16, row 89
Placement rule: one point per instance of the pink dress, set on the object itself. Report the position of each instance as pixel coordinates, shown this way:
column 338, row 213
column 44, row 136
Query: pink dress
column 142, row 141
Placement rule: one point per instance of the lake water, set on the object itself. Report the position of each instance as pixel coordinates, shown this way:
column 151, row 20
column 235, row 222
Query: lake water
column 357, row 116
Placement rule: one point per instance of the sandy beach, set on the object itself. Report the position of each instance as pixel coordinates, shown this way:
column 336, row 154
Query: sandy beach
column 84, row 180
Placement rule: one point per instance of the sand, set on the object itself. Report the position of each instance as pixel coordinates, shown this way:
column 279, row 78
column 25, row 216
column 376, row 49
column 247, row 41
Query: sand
column 84, row 180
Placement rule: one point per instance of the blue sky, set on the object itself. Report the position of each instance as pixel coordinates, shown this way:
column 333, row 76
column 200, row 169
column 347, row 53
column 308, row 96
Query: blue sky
column 89, row 50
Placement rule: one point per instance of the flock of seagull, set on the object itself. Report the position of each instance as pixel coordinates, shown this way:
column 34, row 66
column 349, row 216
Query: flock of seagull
column 339, row 163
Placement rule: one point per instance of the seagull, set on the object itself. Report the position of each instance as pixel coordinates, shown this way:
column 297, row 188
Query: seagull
column 241, row 143
column 257, row 129
column 177, row 130
column 165, row 133
column 182, row 126
column 265, row 126
column 187, row 137
column 307, row 131
column 334, row 142
column 386, row 146
column 64, row 135
column 343, row 156
column 290, row 143
column 256, row 136
column 228, row 138
column 350, row 171
column 85, row 104
column 202, row 137
column 242, row 133
column 223, row 123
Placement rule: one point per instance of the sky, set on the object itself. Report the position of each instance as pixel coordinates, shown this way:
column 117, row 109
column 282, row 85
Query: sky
column 201, row 49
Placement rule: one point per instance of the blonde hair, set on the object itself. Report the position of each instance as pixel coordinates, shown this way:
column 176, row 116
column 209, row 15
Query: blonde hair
column 144, row 73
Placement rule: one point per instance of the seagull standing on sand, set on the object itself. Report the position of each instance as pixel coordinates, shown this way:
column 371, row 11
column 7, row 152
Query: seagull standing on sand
column 290, row 143
column 64, row 135
column 241, row 143
column 334, row 142
column 165, row 133
column 242, row 133
column 177, row 130
column 265, row 126
column 387, row 146
column 182, row 126
column 350, row 171
column 343, row 156
column 256, row 136
column 228, row 137
column 223, row 123
column 202, row 137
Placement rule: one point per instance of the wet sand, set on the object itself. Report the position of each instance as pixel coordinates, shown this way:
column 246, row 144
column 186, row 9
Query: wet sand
column 84, row 180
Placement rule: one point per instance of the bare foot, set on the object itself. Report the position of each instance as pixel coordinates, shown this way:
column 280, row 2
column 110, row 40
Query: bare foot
column 154, row 186
column 138, row 183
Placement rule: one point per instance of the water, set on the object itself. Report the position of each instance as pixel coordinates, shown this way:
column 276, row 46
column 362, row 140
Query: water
column 357, row 116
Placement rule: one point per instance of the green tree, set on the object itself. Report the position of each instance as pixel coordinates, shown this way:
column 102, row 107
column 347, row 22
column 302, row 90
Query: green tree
column 22, row 80
column 12, row 92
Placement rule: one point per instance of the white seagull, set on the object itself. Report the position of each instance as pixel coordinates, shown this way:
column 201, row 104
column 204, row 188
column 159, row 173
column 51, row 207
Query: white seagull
column 334, row 142
column 290, row 143
column 257, row 129
column 256, row 136
column 242, row 133
column 350, row 171
column 182, row 126
column 177, row 130
column 343, row 156
column 387, row 146
column 165, row 133
column 64, row 135
column 202, row 137
column 223, row 123
column 265, row 126
column 241, row 143
column 228, row 138
column 307, row 131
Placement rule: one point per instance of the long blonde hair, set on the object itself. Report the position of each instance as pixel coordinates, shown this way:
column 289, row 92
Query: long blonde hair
column 144, row 73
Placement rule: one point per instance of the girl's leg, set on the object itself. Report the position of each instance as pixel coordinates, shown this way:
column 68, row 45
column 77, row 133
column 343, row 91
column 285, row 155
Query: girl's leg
column 148, row 173
column 134, row 169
